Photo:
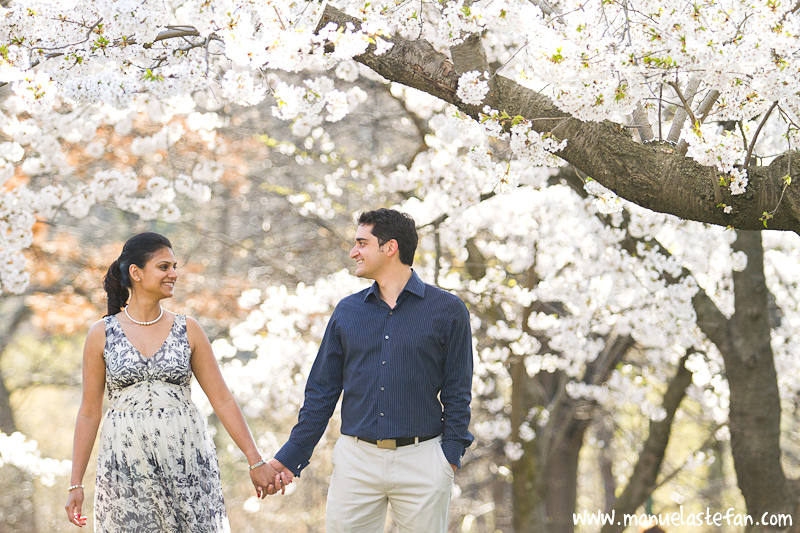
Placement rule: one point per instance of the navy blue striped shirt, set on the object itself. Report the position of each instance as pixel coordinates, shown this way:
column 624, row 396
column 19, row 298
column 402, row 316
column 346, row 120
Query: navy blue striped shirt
column 404, row 372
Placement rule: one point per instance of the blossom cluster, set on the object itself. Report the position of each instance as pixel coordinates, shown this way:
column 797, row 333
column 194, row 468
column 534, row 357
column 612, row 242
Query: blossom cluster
column 722, row 150
column 305, row 105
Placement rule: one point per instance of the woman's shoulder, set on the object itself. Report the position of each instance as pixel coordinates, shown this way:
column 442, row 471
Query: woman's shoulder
column 191, row 323
column 97, row 333
column 100, row 326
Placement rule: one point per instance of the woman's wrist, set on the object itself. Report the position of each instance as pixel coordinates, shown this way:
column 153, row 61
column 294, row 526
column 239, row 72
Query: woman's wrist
column 253, row 456
column 258, row 463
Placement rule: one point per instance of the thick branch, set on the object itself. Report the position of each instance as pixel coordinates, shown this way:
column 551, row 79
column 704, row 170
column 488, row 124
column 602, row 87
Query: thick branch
column 654, row 177
column 470, row 55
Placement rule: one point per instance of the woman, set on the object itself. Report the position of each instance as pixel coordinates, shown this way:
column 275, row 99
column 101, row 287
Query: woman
column 157, row 467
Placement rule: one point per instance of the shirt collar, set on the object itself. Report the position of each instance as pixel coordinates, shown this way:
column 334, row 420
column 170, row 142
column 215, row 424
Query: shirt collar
column 414, row 285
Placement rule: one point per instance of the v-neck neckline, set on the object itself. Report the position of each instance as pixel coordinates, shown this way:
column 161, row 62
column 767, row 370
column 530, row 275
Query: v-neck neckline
column 169, row 334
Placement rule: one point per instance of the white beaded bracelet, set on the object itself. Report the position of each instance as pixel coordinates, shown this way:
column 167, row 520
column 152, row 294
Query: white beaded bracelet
column 256, row 465
column 73, row 487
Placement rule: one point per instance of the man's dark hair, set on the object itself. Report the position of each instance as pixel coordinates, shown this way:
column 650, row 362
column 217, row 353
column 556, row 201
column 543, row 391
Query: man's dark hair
column 388, row 224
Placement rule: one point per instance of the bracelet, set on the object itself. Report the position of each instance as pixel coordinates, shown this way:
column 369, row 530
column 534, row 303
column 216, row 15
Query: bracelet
column 73, row 487
column 256, row 465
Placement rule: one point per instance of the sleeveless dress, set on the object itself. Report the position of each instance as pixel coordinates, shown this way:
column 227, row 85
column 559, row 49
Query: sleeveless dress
column 157, row 467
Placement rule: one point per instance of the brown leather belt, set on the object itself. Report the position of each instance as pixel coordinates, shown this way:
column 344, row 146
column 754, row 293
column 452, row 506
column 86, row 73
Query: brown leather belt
column 391, row 444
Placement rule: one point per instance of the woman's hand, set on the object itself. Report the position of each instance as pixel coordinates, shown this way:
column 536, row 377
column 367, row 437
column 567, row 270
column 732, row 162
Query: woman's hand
column 73, row 507
column 267, row 480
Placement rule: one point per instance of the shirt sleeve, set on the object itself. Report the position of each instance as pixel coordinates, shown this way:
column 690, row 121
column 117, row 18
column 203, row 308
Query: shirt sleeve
column 456, row 392
column 323, row 388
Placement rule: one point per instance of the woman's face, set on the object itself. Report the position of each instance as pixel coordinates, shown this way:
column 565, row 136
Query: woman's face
column 158, row 275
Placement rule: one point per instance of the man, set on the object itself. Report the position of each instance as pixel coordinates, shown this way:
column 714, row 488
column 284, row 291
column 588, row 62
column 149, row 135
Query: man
column 401, row 351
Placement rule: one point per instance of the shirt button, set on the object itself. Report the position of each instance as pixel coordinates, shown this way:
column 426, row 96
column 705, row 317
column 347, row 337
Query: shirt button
column 383, row 362
column 381, row 414
column 382, row 388
column 390, row 312
column 386, row 337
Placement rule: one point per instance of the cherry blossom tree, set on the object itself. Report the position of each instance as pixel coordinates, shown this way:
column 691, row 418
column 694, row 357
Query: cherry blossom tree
column 599, row 84
column 680, row 108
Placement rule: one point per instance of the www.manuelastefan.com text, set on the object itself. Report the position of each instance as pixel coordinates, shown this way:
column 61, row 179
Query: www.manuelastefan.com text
column 678, row 518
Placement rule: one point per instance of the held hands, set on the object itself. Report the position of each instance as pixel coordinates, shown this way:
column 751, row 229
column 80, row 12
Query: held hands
column 285, row 472
column 267, row 480
column 73, row 507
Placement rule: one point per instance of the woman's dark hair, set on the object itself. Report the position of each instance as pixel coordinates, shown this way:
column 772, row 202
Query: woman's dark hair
column 137, row 251
column 388, row 224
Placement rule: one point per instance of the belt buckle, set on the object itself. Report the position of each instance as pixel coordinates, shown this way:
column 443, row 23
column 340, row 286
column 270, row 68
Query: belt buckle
column 387, row 444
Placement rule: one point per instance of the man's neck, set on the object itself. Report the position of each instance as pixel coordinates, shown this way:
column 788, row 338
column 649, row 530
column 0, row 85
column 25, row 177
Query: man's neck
column 392, row 283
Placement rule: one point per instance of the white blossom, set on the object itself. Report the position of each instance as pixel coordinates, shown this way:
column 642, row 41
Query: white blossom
column 473, row 87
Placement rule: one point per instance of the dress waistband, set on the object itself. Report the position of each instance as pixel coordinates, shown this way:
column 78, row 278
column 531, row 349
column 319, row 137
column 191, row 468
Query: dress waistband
column 147, row 395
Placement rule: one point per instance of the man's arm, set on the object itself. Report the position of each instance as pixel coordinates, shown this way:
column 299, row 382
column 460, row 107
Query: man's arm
column 456, row 392
column 323, row 388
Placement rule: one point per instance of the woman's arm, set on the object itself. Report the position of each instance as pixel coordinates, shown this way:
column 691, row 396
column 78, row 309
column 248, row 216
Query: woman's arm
column 89, row 414
column 209, row 376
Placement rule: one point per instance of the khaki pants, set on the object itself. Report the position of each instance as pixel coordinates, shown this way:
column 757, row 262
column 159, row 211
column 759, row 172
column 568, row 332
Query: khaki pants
column 416, row 480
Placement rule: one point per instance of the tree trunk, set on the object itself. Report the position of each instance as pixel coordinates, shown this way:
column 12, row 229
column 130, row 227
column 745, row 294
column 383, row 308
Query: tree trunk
column 755, row 410
column 16, row 318
column 529, row 489
column 643, row 480
column 561, row 475
column 16, row 486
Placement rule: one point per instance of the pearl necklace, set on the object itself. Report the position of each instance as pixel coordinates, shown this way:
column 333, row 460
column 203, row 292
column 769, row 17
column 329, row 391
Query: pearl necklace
column 145, row 323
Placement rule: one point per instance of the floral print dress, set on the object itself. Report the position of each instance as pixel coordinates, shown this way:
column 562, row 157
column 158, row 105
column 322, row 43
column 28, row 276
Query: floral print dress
column 157, row 467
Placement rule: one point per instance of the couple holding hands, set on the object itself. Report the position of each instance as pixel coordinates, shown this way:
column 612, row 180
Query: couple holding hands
column 399, row 351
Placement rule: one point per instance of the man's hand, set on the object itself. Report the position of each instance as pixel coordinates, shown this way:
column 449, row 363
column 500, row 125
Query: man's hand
column 285, row 475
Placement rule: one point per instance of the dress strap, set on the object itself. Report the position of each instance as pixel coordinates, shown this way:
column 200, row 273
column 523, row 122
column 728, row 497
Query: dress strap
column 111, row 326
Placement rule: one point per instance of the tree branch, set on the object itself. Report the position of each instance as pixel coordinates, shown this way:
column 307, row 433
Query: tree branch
column 757, row 132
column 642, row 123
column 705, row 107
column 686, row 110
column 652, row 176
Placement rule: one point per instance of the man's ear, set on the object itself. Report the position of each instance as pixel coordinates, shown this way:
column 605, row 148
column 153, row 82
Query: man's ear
column 391, row 247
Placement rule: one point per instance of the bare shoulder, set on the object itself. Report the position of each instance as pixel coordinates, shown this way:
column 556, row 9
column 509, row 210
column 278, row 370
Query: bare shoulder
column 97, row 331
column 192, row 324
column 96, row 337
column 194, row 331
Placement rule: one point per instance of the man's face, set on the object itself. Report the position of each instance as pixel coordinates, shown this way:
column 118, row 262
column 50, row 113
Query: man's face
column 369, row 256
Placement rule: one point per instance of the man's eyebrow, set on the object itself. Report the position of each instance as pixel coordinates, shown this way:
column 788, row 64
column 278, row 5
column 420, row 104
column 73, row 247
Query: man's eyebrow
column 361, row 239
